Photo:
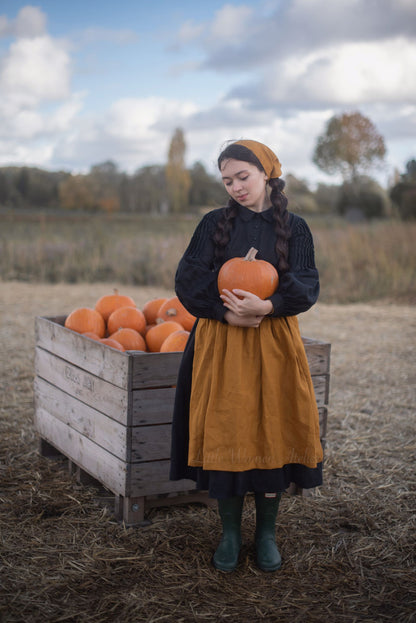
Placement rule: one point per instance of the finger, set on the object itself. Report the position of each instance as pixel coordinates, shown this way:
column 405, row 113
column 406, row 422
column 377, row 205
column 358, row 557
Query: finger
column 244, row 294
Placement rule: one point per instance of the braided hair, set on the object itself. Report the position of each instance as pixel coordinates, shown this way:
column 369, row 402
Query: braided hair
column 277, row 198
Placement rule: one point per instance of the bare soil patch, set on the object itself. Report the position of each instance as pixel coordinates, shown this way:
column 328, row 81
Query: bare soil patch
column 348, row 549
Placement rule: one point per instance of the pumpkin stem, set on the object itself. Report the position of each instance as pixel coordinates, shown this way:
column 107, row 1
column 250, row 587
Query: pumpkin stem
column 251, row 255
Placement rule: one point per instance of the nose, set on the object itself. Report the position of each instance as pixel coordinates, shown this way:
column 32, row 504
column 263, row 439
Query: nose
column 237, row 185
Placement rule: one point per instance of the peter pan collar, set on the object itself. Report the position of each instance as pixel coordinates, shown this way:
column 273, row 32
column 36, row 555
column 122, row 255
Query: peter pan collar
column 246, row 214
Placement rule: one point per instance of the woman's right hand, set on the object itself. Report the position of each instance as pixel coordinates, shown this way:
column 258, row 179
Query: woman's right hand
column 242, row 321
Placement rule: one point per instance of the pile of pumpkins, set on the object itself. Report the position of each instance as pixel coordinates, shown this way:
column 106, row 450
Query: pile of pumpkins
column 162, row 325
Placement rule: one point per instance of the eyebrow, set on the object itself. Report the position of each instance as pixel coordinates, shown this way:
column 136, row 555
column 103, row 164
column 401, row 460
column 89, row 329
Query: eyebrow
column 226, row 177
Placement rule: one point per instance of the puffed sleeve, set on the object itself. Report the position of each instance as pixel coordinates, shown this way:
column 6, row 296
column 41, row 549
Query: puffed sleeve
column 196, row 277
column 298, row 288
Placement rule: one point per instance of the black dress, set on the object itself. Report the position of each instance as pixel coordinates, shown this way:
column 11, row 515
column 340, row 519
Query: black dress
column 196, row 287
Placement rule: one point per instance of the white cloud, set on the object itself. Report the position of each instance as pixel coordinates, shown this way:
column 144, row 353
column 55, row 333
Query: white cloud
column 134, row 132
column 238, row 38
column 30, row 22
column 189, row 31
column 36, row 99
column 230, row 22
column 35, row 70
column 351, row 74
column 94, row 35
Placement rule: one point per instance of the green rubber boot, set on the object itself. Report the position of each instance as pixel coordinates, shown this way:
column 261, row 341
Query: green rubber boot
column 226, row 555
column 268, row 556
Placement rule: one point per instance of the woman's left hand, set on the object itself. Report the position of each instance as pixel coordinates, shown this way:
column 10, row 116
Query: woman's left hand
column 243, row 303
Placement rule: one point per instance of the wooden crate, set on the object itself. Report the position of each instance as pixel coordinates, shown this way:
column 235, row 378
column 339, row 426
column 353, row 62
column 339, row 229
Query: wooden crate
column 110, row 413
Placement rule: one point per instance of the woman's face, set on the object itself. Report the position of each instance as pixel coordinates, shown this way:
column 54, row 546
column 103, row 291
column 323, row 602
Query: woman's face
column 245, row 183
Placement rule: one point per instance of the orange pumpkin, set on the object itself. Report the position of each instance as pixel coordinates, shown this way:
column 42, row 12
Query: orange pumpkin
column 126, row 317
column 130, row 339
column 246, row 273
column 109, row 302
column 176, row 341
column 172, row 309
column 113, row 343
column 158, row 334
column 92, row 336
column 85, row 319
column 151, row 308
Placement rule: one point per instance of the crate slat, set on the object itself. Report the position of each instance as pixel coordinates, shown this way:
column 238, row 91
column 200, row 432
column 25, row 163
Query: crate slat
column 150, row 442
column 107, row 363
column 155, row 370
column 86, row 387
column 318, row 355
column 323, row 418
column 96, row 426
column 148, row 478
column 321, row 387
column 152, row 406
column 95, row 460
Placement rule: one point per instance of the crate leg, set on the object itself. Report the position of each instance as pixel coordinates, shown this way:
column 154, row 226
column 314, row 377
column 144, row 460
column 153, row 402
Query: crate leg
column 293, row 489
column 47, row 450
column 130, row 510
column 73, row 469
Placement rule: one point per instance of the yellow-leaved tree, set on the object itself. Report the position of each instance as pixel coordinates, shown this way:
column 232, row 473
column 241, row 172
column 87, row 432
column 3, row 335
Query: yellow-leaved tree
column 177, row 176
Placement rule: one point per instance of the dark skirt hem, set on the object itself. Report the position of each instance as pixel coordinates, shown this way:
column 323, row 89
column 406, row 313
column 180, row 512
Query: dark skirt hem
column 221, row 485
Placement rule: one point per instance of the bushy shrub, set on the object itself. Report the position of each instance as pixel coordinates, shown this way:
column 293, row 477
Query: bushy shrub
column 363, row 199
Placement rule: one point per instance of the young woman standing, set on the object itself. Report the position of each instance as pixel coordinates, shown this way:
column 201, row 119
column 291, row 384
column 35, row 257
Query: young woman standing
column 245, row 417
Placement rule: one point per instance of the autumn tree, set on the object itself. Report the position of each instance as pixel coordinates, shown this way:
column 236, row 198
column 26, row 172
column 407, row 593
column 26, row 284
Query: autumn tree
column 403, row 193
column 148, row 189
column 104, row 179
column 205, row 191
column 301, row 199
column 76, row 193
column 350, row 145
column 177, row 177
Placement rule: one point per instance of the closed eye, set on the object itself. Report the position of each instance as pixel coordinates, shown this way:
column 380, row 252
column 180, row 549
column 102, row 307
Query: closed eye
column 243, row 179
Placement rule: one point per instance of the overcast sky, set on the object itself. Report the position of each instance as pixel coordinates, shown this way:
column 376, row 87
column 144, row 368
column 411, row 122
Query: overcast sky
column 84, row 82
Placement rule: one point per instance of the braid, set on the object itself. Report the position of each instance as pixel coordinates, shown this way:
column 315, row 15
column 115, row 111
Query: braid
column 281, row 220
column 224, row 226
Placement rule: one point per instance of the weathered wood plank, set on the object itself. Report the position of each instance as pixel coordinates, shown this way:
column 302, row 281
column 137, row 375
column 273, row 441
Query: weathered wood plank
column 102, row 430
column 153, row 478
column 152, row 406
column 99, row 463
column 150, row 443
column 323, row 416
column 86, row 387
column 318, row 355
column 107, row 363
column 321, row 387
column 155, row 369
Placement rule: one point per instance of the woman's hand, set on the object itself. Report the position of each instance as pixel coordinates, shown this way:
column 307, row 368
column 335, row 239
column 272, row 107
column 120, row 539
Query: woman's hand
column 246, row 309
column 242, row 321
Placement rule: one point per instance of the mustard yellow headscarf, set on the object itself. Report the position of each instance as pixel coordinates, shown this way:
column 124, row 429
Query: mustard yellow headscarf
column 269, row 160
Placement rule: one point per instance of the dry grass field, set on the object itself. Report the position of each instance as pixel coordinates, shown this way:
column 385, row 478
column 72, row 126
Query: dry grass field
column 348, row 549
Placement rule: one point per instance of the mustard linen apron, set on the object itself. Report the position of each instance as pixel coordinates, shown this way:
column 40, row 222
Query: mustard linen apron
column 252, row 401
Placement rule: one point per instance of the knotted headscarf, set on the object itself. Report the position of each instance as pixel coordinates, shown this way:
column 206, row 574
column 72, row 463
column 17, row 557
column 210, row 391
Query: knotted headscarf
column 269, row 160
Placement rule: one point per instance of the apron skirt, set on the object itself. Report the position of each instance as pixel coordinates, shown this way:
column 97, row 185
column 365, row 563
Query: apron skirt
column 245, row 416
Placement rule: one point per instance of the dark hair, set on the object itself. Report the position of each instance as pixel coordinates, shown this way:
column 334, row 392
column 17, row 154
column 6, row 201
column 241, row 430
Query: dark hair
column 277, row 198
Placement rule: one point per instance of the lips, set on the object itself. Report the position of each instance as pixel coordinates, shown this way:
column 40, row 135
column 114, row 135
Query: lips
column 242, row 197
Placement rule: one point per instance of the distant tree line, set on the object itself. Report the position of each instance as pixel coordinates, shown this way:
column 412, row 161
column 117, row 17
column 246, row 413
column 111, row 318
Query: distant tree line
column 349, row 145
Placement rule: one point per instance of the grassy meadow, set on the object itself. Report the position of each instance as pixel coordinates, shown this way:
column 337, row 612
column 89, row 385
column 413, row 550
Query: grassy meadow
column 357, row 262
